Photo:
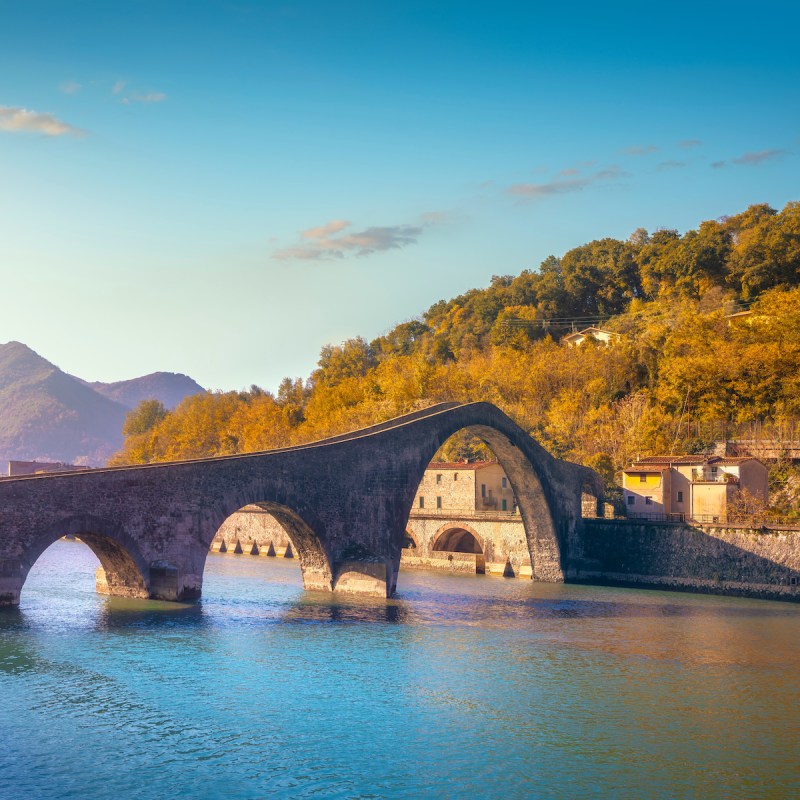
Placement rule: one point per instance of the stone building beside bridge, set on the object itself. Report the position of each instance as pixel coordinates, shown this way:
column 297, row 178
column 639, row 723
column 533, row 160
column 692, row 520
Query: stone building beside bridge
column 465, row 519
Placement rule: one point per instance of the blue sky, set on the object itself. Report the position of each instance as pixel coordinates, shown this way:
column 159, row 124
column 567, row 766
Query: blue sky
column 221, row 188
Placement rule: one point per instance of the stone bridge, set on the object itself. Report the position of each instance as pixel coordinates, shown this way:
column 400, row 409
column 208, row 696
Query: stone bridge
column 344, row 502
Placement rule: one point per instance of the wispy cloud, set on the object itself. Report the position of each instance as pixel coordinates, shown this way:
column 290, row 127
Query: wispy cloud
column 300, row 254
column 688, row 144
column 526, row 192
column 22, row 120
column 120, row 86
column 666, row 165
column 323, row 231
column 149, row 97
column 576, row 169
column 759, row 157
column 70, row 87
column 640, row 149
column 751, row 159
column 334, row 240
column 436, row 217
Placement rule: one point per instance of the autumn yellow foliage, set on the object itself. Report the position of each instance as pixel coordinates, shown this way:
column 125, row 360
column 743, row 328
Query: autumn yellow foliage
column 682, row 374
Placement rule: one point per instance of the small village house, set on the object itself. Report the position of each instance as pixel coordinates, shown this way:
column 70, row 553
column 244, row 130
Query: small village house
column 595, row 334
column 698, row 487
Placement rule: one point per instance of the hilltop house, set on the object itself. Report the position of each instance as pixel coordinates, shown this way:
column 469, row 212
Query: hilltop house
column 596, row 334
column 698, row 487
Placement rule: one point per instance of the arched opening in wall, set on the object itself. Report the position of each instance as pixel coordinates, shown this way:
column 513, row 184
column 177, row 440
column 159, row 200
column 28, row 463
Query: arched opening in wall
column 270, row 543
column 409, row 543
column 74, row 560
column 464, row 551
column 480, row 495
column 254, row 531
column 457, row 540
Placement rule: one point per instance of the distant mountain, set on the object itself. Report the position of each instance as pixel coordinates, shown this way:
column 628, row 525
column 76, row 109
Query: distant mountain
column 168, row 387
column 48, row 415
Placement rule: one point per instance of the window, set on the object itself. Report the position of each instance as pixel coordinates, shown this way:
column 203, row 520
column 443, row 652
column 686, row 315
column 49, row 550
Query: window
column 421, row 501
column 648, row 501
column 455, row 476
column 438, row 479
column 643, row 478
column 483, row 490
column 631, row 499
column 504, row 482
column 438, row 502
column 505, row 504
column 680, row 497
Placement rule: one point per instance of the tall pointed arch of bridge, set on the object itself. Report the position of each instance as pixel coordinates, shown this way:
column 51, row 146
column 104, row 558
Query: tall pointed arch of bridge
column 123, row 571
column 547, row 491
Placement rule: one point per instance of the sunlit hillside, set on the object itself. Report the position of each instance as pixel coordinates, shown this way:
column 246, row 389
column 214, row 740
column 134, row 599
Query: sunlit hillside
column 684, row 372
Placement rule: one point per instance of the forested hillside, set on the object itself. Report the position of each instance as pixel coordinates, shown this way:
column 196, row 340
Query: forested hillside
column 681, row 375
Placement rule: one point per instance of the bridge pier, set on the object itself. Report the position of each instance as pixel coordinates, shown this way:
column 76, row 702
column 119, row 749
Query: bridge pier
column 10, row 582
column 374, row 577
column 168, row 582
column 316, row 579
column 112, row 583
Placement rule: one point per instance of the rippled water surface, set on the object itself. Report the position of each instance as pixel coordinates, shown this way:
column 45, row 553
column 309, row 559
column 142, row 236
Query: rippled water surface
column 460, row 687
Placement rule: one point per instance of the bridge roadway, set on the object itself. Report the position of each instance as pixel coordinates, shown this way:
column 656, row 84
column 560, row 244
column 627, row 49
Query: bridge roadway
column 344, row 502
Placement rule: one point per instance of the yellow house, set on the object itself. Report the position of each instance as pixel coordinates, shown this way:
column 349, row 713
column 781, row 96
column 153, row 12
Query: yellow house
column 698, row 487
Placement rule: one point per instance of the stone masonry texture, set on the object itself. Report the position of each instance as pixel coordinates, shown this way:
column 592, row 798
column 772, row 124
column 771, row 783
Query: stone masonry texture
column 344, row 503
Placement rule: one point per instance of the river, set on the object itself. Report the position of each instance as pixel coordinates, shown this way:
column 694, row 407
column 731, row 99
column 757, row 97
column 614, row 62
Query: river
column 461, row 686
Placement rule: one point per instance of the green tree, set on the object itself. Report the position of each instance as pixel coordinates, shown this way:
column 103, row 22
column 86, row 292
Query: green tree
column 144, row 418
column 766, row 251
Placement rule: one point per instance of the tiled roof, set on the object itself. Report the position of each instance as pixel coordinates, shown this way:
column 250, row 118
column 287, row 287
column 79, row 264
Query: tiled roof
column 460, row 465
column 673, row 460
column 641, row 468
column 691, row 460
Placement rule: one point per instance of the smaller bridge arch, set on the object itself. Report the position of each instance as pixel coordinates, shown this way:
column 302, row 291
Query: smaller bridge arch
column 299, row 524
column 123, row 571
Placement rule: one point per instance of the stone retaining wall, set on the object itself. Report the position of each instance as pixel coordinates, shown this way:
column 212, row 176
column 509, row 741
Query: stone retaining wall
column 720, row 559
